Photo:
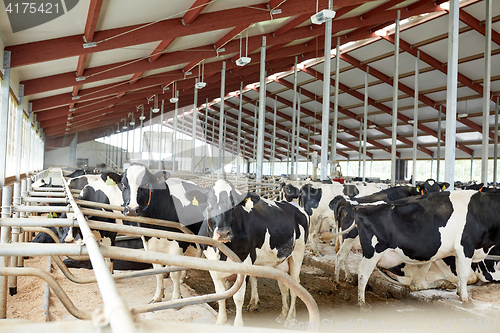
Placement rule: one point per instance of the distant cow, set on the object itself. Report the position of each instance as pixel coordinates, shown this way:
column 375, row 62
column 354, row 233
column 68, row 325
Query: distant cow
column 423, row 229
column 315, row 201
column 158, row 196
column 78, row 183
column 260, row 232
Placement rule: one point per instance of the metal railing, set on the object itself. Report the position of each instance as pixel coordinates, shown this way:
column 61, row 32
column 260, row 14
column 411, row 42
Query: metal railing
column 116, row 311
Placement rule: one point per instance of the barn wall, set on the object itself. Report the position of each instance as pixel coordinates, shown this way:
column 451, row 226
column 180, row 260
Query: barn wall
column 86, row 150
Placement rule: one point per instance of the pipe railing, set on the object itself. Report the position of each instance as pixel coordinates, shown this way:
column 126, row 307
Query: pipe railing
column 130, row 230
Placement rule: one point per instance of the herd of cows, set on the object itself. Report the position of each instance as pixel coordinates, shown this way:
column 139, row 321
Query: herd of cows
column 423, row 237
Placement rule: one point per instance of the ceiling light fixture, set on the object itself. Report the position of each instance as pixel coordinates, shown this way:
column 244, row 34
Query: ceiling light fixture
column 201, row 75
column 372, row 126
column 156, row 109
column 462, row 115
column 340, row 130
column 323, row 16
column 242, row 61
column 175, row 94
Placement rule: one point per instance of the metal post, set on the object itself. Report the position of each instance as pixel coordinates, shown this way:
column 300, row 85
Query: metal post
column 183, row 138
column 294, row 114
column 307, row 154
column 395, row 101
column 16, row 201
column 288, row 155
column 255, row 125
column 174, row 137
column 415, row 122
column 4, row 239
column 273, row 140
column 122, row 130
column 495, row 145
column 4, row 115
column 162, row 144
column 298, row 135
column 206, row 136
column 365, row 123
column 336, row 106
column 193, row 129
column 486, row 94
column 221, row 117
column 150, row 141
column 360, row 147
column 472, row 167
column 451, row 94
column 326, row 96
column 213, row 142
column 239, row 130
column 438, row 152
column 19, row 132
column 28, row 139
column 72, row 151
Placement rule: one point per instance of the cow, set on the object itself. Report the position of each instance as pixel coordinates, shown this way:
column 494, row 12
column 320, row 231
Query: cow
column 78, row 183
column 315, row 201
column 161, row 197
column 288, row 192
column 260, row 232
column 77, row 173
column 423, row 229
column 344, row 216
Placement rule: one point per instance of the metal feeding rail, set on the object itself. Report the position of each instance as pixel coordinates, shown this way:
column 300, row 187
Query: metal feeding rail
column 116, row 312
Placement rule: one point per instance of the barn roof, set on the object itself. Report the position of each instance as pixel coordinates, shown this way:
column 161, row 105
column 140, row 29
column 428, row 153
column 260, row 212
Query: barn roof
column 91, row 68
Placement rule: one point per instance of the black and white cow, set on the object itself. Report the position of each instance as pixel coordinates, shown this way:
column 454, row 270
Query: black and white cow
column 344, row 215
column 423, row 229
column 78, row 183
column 288, row 192
column 260, row 232
column 158, row 196
column 315, row 200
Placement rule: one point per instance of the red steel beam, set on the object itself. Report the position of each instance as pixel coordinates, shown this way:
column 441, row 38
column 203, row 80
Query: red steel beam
column 194, row 11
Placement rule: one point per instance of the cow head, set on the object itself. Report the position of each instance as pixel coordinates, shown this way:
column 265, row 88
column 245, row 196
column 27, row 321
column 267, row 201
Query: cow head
column 137, row 186
column 430, row 185
column 289, row 192
column 221, row 200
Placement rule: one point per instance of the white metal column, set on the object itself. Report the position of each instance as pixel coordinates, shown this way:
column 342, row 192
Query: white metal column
column 174, row 136
column 486, row 94
column 451, row 94
column 19, row 132
column 326, row 97
column 297, row 142
column 221, row 118
column 29, row 134
column 336, row 106
column 4, row 116
column 415, row 121
column 239, row 130
column 495, row 145
column 262, row 111
column 294, row 115
column 365, row 123
column 193, row 129
column 273, row 140
column 395, row 101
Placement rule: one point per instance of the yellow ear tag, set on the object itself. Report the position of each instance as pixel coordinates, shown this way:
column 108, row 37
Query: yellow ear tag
column 444, row 187
column 248, row 199
column 110, row 181
column 195, row 202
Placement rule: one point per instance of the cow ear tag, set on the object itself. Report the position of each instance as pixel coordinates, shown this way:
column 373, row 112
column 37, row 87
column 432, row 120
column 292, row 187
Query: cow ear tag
column 444, row 187
column 110, row 181
column 195, row 202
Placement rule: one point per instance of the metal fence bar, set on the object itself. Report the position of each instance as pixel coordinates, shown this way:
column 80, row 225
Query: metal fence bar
column 115, row 309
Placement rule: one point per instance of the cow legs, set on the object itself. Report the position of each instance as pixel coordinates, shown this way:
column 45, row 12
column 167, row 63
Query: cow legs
column 295, row 262
column 239, row 298
column 313, row 234
column 463, row 267
column 341, row 259
column 418, row 275
column 219, row 288
column 160, row 288
column 284, row 303
column 366, row 267
column 254, row 298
